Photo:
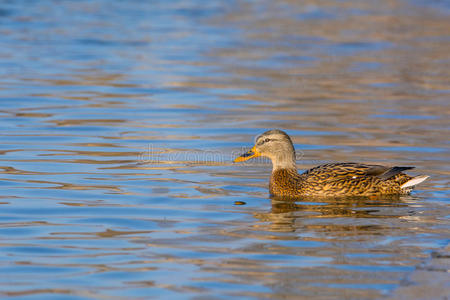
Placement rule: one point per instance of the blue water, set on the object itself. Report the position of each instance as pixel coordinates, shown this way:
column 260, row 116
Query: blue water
column 119, row 121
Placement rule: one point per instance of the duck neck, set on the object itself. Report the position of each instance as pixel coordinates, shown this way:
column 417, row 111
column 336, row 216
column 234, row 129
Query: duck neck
column 284, row 162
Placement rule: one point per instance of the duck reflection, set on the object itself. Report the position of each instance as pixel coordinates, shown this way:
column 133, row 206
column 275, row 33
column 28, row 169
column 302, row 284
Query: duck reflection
column 337, row 215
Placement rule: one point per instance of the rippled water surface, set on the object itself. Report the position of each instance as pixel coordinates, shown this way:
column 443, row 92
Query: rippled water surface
column 119, row 121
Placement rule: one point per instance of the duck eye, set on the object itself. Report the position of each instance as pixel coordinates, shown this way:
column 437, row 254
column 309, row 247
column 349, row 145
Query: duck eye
column 266, row 140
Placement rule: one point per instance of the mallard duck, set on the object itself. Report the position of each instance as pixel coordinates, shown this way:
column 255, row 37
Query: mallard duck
column 333, row 179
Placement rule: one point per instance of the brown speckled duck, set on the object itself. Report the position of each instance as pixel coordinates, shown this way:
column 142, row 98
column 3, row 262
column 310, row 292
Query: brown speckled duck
column 334, row 179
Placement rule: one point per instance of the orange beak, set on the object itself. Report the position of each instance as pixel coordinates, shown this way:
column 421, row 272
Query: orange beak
column 246, row 156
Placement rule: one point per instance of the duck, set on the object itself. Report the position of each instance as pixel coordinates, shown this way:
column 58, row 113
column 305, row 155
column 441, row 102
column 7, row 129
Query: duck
column 327, row 180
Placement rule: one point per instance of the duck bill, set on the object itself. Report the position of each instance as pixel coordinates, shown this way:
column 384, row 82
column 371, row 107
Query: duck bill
column 246, row 156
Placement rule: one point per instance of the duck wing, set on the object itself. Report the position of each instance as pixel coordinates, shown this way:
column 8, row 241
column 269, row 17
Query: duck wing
column 336, row 170
column 391, row 172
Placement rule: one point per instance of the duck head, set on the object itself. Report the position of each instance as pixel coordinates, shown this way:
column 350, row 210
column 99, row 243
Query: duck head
column 276, row 145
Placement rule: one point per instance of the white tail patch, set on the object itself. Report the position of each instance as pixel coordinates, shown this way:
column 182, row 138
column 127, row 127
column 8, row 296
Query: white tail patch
column 414, row 181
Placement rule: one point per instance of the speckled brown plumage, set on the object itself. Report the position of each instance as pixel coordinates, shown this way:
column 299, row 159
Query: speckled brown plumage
column 338, row 179
column 335, row 179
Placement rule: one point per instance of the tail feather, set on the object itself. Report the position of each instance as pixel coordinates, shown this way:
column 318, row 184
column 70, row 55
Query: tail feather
column 414, row 181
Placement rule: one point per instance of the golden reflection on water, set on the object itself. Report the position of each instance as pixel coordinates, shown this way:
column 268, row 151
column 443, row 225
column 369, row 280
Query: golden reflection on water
column 287, row 215
column 332, row 225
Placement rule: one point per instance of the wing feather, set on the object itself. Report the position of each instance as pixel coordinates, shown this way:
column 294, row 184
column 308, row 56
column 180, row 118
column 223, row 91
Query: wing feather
column 356, row 169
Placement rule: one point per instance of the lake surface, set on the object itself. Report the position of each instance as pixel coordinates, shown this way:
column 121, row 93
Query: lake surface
column 120, row 119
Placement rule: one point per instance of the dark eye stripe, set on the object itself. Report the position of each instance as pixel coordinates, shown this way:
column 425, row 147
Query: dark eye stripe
column 265, row 141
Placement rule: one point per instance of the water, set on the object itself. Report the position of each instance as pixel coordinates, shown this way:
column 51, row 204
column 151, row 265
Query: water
column 120, row 119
